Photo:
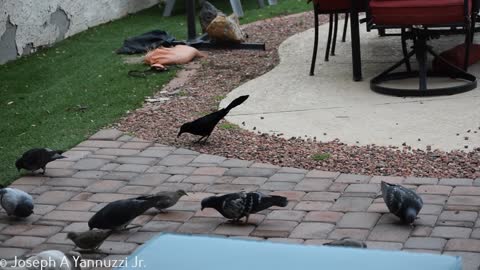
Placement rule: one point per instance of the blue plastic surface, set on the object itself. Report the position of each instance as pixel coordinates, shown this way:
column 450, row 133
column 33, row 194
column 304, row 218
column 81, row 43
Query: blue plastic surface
column 183, row 252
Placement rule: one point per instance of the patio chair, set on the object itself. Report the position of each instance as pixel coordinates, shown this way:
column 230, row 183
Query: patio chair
column 332, row 8
column 421, row 21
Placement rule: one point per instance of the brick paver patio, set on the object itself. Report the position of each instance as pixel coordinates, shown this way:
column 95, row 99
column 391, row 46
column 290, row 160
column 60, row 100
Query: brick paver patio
column 323, row 205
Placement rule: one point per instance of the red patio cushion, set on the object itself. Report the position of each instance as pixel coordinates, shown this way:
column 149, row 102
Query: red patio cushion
column 411, row 12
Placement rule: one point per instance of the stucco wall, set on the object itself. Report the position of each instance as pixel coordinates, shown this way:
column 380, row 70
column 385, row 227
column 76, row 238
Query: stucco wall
column 28, row 24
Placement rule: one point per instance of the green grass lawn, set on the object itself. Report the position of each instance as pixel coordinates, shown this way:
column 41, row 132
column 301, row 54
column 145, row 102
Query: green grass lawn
column 40, row 94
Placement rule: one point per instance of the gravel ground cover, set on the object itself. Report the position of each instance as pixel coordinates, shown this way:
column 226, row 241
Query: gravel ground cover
column 208, row 80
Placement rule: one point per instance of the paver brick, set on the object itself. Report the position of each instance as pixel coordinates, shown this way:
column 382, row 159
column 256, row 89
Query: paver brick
column 250, row 172
column 313, row 205
column 160, row 226
column 54, row 197
column 434, row 199
column 472, row 245
column 323, row 216
column 105, row 186
column 425, row 243
column 136, row 160
column 390, row 232
column 206, row 158
column 9, row 253
column 384, row 245
column 388, row 179
column 286, row 240
column 60, row 172
column 286, row 215
column 141, row 237
column 420, row 181
column 475, row 233
column 249, row 180
column 313, row 184
column 109, row 166
column 275, row 228
column 378, row 208
column 322, row 196
column 346, row 204
column 459, row 215
column 120, row 176
column 286, row 177
column 200, row 179
column 60, row 164
column 24, row 241
column 337, row 187
column 90, row 164
column 70, row 182
column 312, row 230
column 42, row 209
column 136, row 145
column 75, row 206
column 106, row 134
column 118, row 247
column 210, row 171
column 228, row 188
column 434, row 189
column 178, row 216
column 236, row 163
column 352, row 179
column 464, row 200
column 109, row 197
column 363, row 188
column 359, row 234
column 278, row 186
column 358, row 220
column 138, row 168
column 322, row 174
column 422, row 231
column 451, row 232
column 150, row 179
column 138, row 190
column 456, row 181
column 100, row 144
column 89, row 174
column 177, row 160
column 117, row 152
column 471, row 191
column 200, row 225
column 291, row 195
column 234, row 229
column 431, row 209
column 292, row 170
column 426, row 220
column 69, row 215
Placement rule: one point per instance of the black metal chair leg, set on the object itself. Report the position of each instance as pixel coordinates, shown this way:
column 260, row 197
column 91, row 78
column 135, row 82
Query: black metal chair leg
column 329, row 40
column 468, row 40
column 420, row 48
column 405, row 51
column 345, row 25
column 334, row 42
column 315, row 42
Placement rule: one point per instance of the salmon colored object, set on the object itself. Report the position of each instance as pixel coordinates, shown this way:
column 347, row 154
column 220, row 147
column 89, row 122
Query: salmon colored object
column 180, row 54
column 456, row 56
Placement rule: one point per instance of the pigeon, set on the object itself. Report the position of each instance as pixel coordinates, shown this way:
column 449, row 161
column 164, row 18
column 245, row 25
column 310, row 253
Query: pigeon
column 234, row 206
column 170, row 198
column 204, row 126
column 46, row 260
column 118, row 214
column 401, row 201
column 347, row 242
column 89, row 239
column 37, row 158
column 16, row 202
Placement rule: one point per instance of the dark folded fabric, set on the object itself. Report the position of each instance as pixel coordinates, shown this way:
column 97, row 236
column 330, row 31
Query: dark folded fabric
column 456, row 57
column 146, row 42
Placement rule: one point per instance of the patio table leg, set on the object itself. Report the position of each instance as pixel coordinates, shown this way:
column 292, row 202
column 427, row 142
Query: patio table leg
column 355, row 33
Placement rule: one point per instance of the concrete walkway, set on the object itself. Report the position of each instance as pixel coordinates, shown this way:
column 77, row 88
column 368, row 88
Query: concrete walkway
column 330, row 105
column 323, row 205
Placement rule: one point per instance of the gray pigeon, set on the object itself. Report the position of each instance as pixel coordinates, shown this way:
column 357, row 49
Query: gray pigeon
column 89, row 239
column 207, row 14
column 347, row 242
column 170, row 198
column 237, row 205
column 16, row 202
column 118, row 214
column 401, row 201
column 37, row 158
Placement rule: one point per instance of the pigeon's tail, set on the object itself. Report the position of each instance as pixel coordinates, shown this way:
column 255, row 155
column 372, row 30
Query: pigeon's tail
column 236, row 102
column 278, row 200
